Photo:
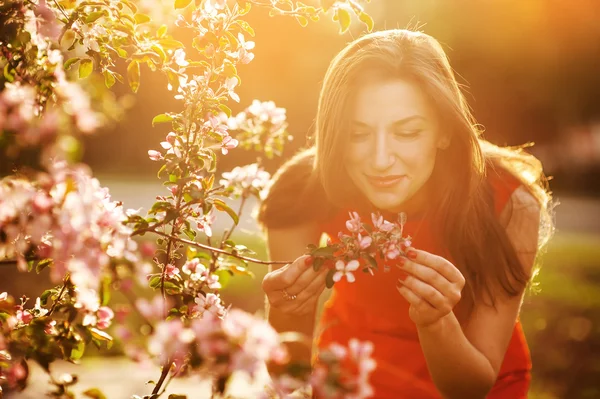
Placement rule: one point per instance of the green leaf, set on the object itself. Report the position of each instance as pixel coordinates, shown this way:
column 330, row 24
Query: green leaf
column 302, row 20
column 109, row 79
column 224, row 277
column 245, row 26
column 93, row 16
column 100, row 335
column 325, row 252
column 162, row 31
column 367, row 20
column 182, row 3
column 222, row 206
column 142, row 18
column 162, row 118
column 94, row 393
column 371, row 260
column 86, row 66
column 343, row 19
column 8, row 73
column 44, row 263
column 70, row 62
column 77, row 350
column 317, row 263
column 170, row 43
column 45, row 295
column 329, row 278
column 133, row 75
column 105, row 291
column 155, row 282
column 225, row 109
column 162, row 169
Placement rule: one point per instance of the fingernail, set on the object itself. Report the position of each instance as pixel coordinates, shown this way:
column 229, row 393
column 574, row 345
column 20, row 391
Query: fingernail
column 308, row 261
column 412, row 255
column 401, row 261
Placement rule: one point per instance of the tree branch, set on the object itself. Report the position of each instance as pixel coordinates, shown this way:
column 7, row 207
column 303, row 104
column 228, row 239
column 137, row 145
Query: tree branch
column 221, row 251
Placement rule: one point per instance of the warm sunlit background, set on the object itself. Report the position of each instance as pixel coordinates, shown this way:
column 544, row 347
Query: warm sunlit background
column 532, row 73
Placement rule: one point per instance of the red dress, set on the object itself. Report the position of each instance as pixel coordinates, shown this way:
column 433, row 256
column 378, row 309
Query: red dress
column 372, row 309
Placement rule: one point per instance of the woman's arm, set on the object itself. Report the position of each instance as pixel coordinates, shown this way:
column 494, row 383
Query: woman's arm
column 464, row 361
column 297, row 278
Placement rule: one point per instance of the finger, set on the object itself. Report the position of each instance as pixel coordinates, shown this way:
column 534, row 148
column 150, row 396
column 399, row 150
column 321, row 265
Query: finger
column 306, row 279
column 285, row 276
column 280, row 300
column 427, row 293
column 427, row 275
column 314, row 289
column 410, row 296
column 438, row 263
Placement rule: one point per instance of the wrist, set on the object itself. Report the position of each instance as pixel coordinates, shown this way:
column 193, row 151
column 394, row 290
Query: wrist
column 439, row 326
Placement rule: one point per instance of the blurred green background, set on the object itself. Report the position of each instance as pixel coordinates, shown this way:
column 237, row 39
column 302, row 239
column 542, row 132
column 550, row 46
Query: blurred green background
column 531, row 71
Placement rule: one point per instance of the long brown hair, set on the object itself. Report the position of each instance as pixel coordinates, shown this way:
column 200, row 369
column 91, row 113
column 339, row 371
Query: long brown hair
column 315, row 181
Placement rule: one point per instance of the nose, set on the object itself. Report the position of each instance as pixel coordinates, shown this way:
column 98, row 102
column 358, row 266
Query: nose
column 383, row 157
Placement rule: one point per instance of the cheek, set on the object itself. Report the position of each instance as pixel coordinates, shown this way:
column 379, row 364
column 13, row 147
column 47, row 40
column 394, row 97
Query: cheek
column 356, row 155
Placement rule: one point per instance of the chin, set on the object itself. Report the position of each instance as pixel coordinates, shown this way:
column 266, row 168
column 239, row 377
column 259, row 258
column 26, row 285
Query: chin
column 391, row 203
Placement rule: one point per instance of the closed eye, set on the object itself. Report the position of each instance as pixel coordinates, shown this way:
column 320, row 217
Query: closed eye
column 408, row 134
column 359, row 135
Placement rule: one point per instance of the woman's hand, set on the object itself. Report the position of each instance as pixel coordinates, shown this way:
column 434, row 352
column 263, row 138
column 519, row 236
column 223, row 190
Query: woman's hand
column 433, row 286
column 295, row 288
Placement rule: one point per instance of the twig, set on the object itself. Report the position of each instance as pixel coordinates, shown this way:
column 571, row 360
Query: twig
column 221, row 251
column 62, row 291
column 165, row 372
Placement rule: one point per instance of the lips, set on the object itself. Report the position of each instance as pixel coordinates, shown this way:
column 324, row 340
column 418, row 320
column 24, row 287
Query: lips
column 385, row 181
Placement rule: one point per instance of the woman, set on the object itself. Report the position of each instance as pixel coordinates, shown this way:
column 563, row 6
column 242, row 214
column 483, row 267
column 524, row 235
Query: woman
column 394, row 133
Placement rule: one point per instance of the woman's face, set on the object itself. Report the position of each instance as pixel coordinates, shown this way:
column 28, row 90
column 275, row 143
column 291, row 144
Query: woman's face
column 392, row 142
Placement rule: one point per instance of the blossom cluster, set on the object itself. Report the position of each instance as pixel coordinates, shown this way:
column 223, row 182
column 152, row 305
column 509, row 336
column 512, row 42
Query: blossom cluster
column 340, row 372
column 262, row 126
column 67, row 220
column 362, row 246
column 245, row 181
column 38, row 104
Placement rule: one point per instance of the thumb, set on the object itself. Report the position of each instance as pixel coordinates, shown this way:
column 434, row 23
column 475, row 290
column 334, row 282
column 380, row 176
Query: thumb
column 287, row 275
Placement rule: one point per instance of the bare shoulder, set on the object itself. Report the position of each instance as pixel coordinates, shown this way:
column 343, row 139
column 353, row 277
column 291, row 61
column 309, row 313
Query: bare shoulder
column 522, row 220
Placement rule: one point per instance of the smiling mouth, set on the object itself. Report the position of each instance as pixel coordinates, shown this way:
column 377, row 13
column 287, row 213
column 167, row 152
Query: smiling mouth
column 385, row 181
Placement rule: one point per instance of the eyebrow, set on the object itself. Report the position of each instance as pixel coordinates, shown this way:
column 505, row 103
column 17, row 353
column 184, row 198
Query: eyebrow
column 397, row 123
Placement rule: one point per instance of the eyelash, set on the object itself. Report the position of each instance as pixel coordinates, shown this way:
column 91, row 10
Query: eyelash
column 406, row 134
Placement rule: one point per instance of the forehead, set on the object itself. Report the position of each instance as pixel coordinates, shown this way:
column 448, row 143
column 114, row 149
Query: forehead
column 379, row 101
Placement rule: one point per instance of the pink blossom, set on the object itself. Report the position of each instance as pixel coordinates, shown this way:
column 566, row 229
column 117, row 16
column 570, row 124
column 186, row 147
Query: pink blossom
column 172, row 271
column 228, row 143
column 391, row 250
column 179, row 58
column 192, row 265
column 364, row 242
column 24, row 316
column 345, row 270
column 354, row 225
column 169, row 340
column 105, row 316
column 50, row 328
column 155, row 155
column 204, row 223
column 244, row 180
column 380, row 224
column 42, row 202
column 230, row 84
column 153, row 310
column 210, row 303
